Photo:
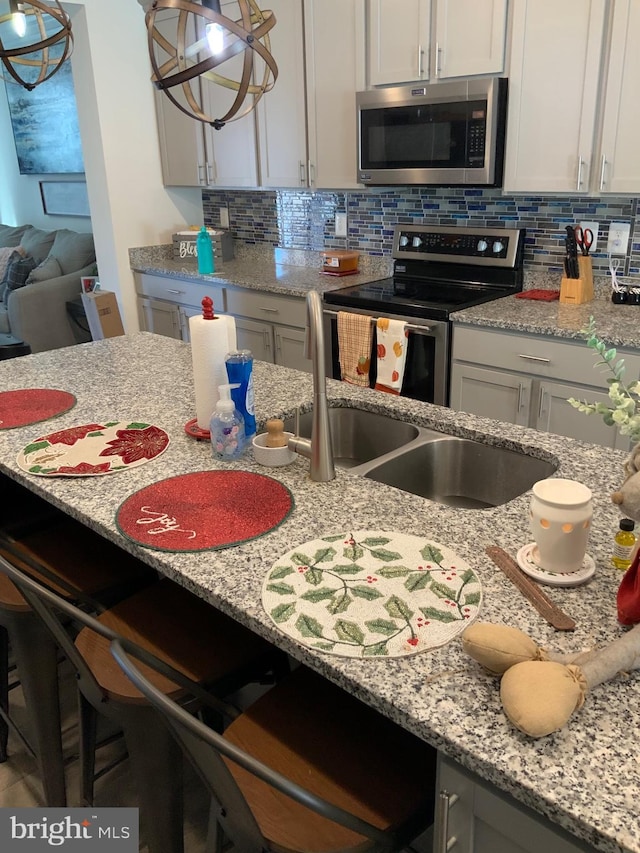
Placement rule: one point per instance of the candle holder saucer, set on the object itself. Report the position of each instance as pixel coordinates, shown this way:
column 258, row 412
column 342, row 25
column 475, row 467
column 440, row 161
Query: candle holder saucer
column 525, row 558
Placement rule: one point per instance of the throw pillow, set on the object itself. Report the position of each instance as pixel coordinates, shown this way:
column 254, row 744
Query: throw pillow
column 49, row 268
column 18, row 270
column 72, row 250
column 5, row 254
column 37, row 243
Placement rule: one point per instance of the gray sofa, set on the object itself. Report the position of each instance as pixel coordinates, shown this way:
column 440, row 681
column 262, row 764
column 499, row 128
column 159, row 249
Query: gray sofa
column 36, row 312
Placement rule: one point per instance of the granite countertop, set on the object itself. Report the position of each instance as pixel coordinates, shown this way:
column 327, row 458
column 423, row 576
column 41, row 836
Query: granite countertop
column 585, row 778
column 290, row 272
column 619, row 325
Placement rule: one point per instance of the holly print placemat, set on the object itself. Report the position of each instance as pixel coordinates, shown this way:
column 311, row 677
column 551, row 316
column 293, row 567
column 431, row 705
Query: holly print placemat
column 371, row 593
column 93, row 449
column 204, row 510
column 31, row 405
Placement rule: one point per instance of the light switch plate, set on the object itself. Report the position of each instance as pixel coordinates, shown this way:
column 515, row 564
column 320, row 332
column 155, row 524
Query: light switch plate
column 341, row 224
column 224, row 217
column 618, row 238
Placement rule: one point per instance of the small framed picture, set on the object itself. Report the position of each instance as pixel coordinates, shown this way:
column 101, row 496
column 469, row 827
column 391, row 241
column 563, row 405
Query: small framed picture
column 89, row 283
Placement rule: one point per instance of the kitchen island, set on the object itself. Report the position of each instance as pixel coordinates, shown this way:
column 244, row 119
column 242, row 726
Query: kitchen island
column 584, row 779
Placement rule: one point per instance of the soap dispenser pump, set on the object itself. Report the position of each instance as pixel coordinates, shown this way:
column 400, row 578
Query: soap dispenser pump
column 227, row 428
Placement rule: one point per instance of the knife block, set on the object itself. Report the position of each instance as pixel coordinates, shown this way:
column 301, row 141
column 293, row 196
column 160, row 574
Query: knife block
column 575, row 291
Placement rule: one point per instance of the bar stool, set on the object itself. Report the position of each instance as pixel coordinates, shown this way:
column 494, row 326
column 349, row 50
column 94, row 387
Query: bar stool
column 87, row 569
column 166, row 622
column 306, row 768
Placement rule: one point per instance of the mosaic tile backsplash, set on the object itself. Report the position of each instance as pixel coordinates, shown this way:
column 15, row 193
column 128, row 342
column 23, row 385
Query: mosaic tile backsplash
column 305, row 220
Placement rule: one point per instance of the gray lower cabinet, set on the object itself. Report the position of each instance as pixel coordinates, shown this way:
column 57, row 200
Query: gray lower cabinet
column 473, row 816
column 271, row 325
column 526, row 380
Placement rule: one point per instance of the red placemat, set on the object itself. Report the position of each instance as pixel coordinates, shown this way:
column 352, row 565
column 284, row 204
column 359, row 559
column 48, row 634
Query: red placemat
column 204, row 511
column 542, row 295
column 31, row 405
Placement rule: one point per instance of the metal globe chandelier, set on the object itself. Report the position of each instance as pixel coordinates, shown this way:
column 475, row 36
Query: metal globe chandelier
column 204, row 39
column 35, row 40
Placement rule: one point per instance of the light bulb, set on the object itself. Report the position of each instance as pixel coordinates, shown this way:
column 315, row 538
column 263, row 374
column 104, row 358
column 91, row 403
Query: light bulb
column 19, row 21
column 215, row 38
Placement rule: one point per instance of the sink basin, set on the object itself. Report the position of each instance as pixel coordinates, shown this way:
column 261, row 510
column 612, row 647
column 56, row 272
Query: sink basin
column 359, row 436
column 462, row 473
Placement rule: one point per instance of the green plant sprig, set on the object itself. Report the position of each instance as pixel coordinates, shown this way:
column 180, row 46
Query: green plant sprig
column 624, row 413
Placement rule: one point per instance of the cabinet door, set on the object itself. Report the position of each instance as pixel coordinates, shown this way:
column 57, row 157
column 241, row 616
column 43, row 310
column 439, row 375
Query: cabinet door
column 181, row 139
column 555, row 415
column 335, row 71
column 162, row 318
column 490, row 393
column 231, row 151
column 399, row 37
column 281, row 112
column 619, row 163
column 473, row 816
column 470, row 37
column 289, row 350
column 556, row 60
column 256, row 336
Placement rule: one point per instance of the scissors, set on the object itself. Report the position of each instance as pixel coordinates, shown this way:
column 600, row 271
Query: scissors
column 584, row 239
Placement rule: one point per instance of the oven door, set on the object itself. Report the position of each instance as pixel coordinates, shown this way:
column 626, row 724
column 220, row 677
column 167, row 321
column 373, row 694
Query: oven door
column 426, row 375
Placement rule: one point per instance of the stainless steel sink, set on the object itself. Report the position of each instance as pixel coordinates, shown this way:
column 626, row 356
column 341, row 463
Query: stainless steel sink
column 460, row 472
column 454, row 471
column 359, row 436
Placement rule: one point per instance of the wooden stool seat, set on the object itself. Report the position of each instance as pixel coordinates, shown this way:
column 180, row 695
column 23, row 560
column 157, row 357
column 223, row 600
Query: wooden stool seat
column 180, row 629
column 339, row 749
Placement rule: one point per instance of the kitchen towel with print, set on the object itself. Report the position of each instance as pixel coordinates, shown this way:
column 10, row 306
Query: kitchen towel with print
column 392, row 354
column 355, row 336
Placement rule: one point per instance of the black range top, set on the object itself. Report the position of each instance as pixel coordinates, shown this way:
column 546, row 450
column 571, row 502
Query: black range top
column 438, row 270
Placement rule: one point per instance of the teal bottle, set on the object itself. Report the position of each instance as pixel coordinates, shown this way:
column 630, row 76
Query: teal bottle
column 205, row 252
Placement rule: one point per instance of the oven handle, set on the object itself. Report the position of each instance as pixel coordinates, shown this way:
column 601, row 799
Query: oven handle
column 410, row 327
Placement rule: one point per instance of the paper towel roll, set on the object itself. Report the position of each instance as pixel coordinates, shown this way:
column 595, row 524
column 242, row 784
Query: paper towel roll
column 211, row 340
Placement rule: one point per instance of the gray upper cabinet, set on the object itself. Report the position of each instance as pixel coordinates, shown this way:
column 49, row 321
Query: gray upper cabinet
column 302, row 132
column 573, row 81
column 431, row 39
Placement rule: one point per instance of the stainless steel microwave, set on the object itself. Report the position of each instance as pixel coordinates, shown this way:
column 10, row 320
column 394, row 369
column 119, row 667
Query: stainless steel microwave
column 442, row 134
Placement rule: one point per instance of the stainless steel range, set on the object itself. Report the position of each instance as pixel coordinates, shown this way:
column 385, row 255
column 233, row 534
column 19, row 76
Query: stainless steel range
column 436, row 270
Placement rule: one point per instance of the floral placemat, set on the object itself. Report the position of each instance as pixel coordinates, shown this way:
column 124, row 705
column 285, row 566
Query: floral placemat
column 371, row 593
column 93, row 449
column 204, row 511
column 32, row 405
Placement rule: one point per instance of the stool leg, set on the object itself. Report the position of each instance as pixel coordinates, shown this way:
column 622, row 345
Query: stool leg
column 4, row 691
column 88, row 722
column 156, row 764
column 37, row 661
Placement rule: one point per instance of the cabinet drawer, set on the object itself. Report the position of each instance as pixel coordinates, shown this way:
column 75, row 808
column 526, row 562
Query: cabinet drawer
column 180, row 291
column 287, row 310
column 570, row 361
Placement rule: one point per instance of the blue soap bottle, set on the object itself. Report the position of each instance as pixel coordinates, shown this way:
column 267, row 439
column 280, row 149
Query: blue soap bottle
column 205, row 252
column 227, row 428
column 240, row 371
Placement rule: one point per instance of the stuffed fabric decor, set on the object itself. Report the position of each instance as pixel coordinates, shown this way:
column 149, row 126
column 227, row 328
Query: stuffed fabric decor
column 628, row 599
column 5, row 254
column 539, row 695
column 627, row 499
column 36, row 243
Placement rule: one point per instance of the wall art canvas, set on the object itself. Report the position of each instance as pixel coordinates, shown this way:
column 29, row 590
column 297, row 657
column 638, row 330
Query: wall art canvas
column 45, row 126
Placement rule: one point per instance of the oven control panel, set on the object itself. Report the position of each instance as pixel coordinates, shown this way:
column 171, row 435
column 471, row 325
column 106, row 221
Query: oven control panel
column 490, row 247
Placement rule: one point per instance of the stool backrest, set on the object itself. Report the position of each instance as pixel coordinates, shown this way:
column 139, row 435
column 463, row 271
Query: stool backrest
column 206, row 749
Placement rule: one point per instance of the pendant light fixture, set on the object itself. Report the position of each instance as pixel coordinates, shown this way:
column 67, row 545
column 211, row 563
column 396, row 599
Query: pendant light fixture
column 35, row 40
column 203, row 39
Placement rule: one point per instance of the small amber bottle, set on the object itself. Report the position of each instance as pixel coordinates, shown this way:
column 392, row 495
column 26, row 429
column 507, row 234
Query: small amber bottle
column 624, row 542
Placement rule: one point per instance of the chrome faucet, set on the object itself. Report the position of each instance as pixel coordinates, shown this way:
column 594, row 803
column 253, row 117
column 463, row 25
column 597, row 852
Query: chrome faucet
column 318, row 449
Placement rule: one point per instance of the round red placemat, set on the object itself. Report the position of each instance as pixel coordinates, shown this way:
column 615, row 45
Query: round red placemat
column 31, row 405
column 204, row 511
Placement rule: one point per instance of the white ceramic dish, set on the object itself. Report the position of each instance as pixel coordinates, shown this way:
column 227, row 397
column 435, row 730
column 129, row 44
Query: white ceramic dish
column 525, row 558
column 272, row 457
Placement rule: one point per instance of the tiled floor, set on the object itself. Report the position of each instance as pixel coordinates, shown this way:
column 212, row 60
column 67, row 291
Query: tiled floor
column 20, row 786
